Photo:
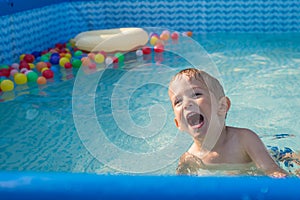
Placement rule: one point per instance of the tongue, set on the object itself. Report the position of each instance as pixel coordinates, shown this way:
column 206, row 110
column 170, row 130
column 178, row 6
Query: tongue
column 195, row 119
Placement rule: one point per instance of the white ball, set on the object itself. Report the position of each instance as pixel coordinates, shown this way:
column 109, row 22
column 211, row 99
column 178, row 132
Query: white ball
column 108, row 60
column 139, row 52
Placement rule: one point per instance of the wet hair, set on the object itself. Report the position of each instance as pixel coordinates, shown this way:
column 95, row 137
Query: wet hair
column 212, row 83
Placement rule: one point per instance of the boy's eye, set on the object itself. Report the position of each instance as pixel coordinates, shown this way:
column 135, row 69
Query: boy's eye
column 197, row 94
column 177, row 101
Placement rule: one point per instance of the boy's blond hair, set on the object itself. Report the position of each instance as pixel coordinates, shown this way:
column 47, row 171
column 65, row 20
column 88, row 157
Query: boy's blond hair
column 212, row 83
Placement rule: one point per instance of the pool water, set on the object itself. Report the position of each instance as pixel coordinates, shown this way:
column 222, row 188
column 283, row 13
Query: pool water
column 59, row 126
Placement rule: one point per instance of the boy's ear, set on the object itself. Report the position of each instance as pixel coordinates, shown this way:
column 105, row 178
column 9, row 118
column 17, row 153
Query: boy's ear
column 176, row 123
column 224, row 105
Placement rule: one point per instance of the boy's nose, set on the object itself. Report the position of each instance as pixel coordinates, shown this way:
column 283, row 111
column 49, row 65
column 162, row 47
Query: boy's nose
column 187, row 104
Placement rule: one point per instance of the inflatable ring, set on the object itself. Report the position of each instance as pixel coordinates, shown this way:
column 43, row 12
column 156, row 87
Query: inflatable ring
column 111, row 40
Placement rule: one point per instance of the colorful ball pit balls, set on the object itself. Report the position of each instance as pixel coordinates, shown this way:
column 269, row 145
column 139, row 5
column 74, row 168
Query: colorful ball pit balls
column 15, row 65
column 28, row 58
column 146, row 50
column 20, row 78
column 159, row 48
column 41, row 80
column 5, row 72
column 76, row 63
column 153, row 40
column 24, row 64
column 120, row 57
column 63, row 61
column 48, row 74
column 54, row 59
column 7, row 85
column 68, row 65
column 175, row 36
column 164, row 36
column 13, row 72
column 92, row 65
column 99, row 58
column 32, row 76
column 109, row 60
column 139, row 52
column 78, row 53
column 41, row 65
column 31, row 65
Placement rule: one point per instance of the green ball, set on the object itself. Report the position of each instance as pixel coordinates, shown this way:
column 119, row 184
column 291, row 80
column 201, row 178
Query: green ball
column 32, row 76
column 45, row 58
column 4, row 67
column 76, row 63
column 120, row 57
column 78, row 53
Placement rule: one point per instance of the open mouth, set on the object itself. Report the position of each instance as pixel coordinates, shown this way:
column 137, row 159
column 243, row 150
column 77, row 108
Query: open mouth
column 196, row 120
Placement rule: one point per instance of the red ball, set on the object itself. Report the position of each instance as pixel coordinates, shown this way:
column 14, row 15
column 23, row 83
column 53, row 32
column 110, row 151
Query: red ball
column 175, row 36
column 59, row 45
column 5, row 72
column 48, row 74
column 159, row 48
column 29, row 58
column 146, row 50
column 24, row 64
column 115, row 59
column 68, row 65
column 48, row 64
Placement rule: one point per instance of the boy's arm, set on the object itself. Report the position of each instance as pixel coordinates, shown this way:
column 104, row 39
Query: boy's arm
column 260, row 155
column 188, row 165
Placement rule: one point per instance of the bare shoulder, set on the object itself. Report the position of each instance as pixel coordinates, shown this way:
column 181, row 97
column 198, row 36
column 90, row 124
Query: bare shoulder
column 243, row 133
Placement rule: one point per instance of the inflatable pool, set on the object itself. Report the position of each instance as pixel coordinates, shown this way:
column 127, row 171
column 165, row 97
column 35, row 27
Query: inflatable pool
column 32, row 25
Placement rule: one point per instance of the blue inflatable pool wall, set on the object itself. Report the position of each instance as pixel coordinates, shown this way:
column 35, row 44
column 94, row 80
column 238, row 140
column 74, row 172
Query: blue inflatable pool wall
column 36, row 25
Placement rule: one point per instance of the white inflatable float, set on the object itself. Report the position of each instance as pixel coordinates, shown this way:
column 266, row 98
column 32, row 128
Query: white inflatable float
column 111, row 40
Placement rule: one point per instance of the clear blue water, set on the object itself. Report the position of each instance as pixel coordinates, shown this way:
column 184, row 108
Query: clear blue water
column 124, row 122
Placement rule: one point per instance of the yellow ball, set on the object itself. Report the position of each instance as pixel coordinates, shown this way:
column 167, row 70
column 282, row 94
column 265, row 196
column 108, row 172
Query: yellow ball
column 7, row 85
column 63, row 61
column 153, row 40
column 22, row 56
column 68, row 55
column 99, row 58
column 20, row 78
column 31, row 65
column 43, row 69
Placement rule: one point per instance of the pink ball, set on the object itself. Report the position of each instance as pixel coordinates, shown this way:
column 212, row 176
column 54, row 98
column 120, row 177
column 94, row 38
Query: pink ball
column 159, row 48
column 175, row 36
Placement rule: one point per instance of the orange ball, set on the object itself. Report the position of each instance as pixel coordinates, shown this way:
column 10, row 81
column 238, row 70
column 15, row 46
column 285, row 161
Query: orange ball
column 40, row 65
column 189, row 33
column 41, row 80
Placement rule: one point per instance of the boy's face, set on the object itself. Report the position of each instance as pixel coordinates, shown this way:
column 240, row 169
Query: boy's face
column 195, row 108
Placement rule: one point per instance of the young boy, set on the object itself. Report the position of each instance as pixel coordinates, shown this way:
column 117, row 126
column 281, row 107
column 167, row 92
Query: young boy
column 200, row 107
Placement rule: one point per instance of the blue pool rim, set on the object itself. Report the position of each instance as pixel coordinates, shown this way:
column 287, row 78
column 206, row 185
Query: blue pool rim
column 28, row 185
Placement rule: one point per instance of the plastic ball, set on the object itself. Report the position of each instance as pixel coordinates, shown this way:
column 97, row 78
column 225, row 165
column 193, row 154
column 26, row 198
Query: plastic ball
column 4, row 67
column 5, row 72
column 115, row 59
column 175, row 36
column 99, row 58
column 68, row 65
column 153, row 35
column 41, row 65
column 36, row 54
column 22, row 56
column 159, row 48
column 54, row 59
column 189, row 33
column 164, row 36
column 32, row 76
column 77, row 53
column 48, row 74
column 15, row 65
column 41, row 80
column 92, row 65
column 63, row 61
column 6, row 85
column 28, row 58
column 23, row 70
column 45, row 58
column 20, row 78
column 108, row 61
column 120, row 57
column 76, row 63
column 45, row 68
column 146, row 50
column 13, row 72
column 91, row 56
column 31, row 65
column 139, row 52
column 68, row 55
column 24, row 64
column 153, row 40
